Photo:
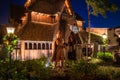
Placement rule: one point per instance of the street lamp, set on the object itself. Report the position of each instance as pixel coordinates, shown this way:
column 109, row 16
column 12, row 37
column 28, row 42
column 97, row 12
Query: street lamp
column 104, row 41
column 104, row 36
column 10, row 31
column 10, row 39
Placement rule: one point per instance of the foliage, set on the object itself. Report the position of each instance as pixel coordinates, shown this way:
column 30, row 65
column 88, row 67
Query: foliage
column 3, row 53
column 96, row 38
column 104, row 41
column 24, row 70
column 4, row 70
column 117, row 58
column 84, row 70
column 2, row 32
column 95, row 61
column 85, row 67
column 10, row 40
column 101, row 7
column 108, row 73
column 36, row 70
column 106, row 56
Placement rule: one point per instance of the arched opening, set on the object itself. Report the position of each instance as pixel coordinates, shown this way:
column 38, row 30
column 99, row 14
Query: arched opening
column 26, row 47
column 43, row 46
column 47, row 46
column 39, row 46
column 35, row 46
column 50, row 45
column 30, row 45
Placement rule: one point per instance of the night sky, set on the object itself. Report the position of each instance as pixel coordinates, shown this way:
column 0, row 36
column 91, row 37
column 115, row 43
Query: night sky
column 79, row 6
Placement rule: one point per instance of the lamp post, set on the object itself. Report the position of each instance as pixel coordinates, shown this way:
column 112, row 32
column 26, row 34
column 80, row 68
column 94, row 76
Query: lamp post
column 10, row 40
column 10, row 31
column 104, row 41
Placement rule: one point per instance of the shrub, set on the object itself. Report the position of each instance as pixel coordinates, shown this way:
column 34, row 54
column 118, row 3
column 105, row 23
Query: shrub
column 84, row 70
column 102, row 76
column 3, row 53
column 4, row 70
column 24, row 70
column 106, row 56
column 116, row 74
column 107, row 73
column 117, row 58
column 19, row 70
column 36, row 69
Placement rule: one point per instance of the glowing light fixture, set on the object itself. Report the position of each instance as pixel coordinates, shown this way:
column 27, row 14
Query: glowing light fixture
column 10, row 30
column 104, row 36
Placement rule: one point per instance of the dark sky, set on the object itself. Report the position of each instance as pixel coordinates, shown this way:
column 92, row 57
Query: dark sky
column 4, row 11
column 112, row 19
column 79, row 6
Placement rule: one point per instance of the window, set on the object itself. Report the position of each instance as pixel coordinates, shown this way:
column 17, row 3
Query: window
column 35, row 46
column 47, row 46
column 43, row 46
column 26, row 47
column 50, row 45
column 30, row 45
column 39, row 46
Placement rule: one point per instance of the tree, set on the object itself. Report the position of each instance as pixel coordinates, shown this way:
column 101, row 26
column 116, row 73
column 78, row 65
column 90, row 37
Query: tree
column 101, row 7
column 2, row 32
column 98, row 7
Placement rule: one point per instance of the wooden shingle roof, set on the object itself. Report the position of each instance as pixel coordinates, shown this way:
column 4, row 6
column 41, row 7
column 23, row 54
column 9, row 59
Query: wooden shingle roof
column 37, row 32
column 47, row 6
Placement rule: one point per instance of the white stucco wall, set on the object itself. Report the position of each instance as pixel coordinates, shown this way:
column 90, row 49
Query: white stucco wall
column 28, row 54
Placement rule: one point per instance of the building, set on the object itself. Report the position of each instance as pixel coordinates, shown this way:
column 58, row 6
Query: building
column 112, row 36
column 99, row 31
column 37, row 24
